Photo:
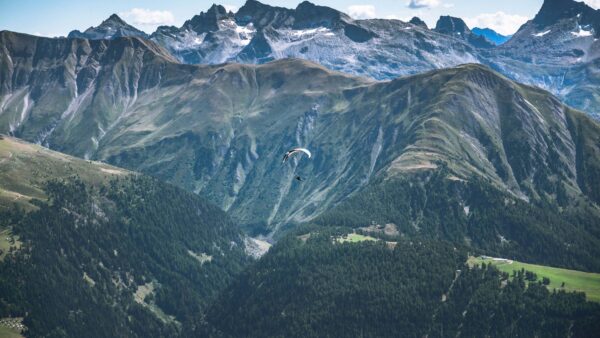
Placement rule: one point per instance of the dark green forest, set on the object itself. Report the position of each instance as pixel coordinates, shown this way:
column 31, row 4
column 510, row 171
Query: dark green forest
column 431, row 206
column 418, row 288
column 87, row 250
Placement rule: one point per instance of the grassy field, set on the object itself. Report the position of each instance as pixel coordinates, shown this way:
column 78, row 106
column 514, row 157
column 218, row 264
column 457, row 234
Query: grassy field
column 354, row 238
column 11, row 327
column 574, row 280
column 25, row 167
column 6, row 332
column 6, row 241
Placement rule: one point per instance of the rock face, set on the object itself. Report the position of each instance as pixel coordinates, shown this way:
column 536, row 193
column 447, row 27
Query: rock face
column 259, row 33
column 457, row 27
column 111, row 28
column 558, row 51
column 418, row 22
column 49, row 82
column 220, row 130
column 553, row 11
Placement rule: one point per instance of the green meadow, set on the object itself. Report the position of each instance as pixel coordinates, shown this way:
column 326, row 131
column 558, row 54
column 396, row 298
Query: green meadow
column 573, row 280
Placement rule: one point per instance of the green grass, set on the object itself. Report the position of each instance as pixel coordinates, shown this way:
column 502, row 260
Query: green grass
column 574, row 280
column 6, row 332
column 25, row 167
column 354, row 238
column 9, row 327
column 6, row 241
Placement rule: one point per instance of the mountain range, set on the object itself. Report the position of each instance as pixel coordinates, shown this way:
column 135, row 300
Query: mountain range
column 219, row 130
column 557, row 52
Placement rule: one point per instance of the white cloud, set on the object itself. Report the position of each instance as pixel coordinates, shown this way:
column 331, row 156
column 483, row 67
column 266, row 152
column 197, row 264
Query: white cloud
column 416, row 4
column 231, row 8
column 505, row 24
column 46, row 35
column 593, row 3
column 361, row 11
column 147, row 17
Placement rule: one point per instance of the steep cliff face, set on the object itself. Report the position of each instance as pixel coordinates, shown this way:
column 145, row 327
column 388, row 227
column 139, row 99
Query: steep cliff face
column 55, row 83
column 458, row 28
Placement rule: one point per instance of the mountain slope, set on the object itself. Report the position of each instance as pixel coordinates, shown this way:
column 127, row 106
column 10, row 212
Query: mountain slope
column 49, row 81
column 221, row 129
column 26, row 169
column 138, row 257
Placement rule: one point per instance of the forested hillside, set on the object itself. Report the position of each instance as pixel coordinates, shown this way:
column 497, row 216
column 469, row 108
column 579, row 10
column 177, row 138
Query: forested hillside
column 433, row 205
column 121, row 256
column 312, row 285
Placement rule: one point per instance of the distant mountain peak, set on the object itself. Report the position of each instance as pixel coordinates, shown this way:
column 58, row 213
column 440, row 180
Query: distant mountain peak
column 418, row 22
column 451, row 25
column 554, row 10
column 310, row 15
column 454, row 26
column 491, row 35
column 111, row 28
column 207, row 21
column 114, row 19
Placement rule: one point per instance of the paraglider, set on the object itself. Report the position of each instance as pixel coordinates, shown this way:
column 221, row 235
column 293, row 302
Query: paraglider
column 294, row 151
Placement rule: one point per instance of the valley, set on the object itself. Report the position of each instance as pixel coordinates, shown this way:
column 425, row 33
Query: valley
column 143, row 192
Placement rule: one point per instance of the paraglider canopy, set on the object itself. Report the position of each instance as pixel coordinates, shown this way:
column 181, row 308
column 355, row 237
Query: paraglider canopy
column 294, row 151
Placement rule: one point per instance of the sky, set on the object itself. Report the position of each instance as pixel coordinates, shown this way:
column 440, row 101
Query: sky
column 59, row 17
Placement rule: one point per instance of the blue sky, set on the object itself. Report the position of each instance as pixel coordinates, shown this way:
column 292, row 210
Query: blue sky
column 58, row 17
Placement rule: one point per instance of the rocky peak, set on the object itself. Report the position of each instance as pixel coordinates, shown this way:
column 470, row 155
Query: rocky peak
column 111, row 28
column 114, row 20
column 451, row 25
column 457, row 27
column 262, row 15
column 207, row 22
column 418, row 22
column 553, row 11
column 309, row 15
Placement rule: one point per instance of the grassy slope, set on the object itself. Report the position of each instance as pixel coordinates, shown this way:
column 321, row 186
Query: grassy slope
column 6, row 332
column 574, row 280
column 25, row 167
column 355, row 238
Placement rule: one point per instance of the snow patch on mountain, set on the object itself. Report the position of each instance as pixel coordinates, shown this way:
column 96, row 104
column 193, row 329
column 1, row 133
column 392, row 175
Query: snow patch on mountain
column 538, row 35
column 582, row 33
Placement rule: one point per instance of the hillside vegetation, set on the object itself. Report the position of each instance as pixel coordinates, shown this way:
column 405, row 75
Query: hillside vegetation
column 320, row 287
column 558, row 279
column 101, row 253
